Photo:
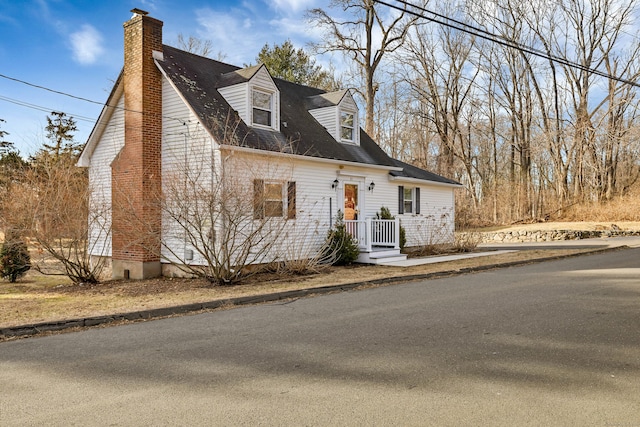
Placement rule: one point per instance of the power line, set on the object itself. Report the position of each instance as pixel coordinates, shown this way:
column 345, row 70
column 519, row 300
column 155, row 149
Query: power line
column 495, row 38
column 50, row 90
column 39, row 107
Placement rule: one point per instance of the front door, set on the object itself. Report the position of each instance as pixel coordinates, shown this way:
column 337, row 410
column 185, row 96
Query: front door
column 351, row 197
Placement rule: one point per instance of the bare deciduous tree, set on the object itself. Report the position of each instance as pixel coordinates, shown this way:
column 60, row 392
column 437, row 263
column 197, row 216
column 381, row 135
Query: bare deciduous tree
column 198, row 46
column 366, row 36
column 53, row 210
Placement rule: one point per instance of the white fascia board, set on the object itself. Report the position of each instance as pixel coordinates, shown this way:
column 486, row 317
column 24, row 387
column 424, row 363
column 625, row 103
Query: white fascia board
column 254, row 151
column 423, row 182
column 101, row 124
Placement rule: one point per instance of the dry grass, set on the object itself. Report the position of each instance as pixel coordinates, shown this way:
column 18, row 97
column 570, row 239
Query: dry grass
column 624, row 208
column 39, row 298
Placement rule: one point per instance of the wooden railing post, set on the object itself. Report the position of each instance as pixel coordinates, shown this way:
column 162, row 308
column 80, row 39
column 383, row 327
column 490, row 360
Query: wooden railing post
column 396, row 243
column 368, row 233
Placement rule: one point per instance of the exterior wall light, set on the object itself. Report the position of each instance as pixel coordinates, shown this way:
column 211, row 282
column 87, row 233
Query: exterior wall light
column 372, row 186
column 334, row 184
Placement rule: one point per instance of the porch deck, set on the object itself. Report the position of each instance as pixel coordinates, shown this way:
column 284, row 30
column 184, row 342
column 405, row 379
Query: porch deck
column 378, row 240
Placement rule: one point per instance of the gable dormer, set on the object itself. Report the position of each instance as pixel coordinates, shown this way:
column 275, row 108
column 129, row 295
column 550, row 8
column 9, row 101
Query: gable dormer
column 338, row 113
column 253, row 94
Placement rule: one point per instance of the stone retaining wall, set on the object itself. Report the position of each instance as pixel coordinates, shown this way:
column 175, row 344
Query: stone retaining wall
column 548, row 236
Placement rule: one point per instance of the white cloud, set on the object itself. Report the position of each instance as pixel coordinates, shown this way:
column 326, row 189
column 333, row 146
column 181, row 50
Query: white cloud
column 86, row 45
column 296, row 28
column 239, row 39
column 292, row 5
column 149, row 4
column 240, row 32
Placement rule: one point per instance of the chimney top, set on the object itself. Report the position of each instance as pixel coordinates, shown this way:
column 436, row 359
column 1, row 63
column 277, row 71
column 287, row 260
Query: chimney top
column 140, row 12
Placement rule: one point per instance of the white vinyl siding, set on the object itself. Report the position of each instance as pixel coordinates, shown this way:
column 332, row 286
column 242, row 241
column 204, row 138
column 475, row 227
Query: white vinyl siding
column 236, row 96
column 348, row 103
column 333, row 120
column 109, row 145
column 435, row 223
column 327, row 118
column 240, row 97
column 186, row 163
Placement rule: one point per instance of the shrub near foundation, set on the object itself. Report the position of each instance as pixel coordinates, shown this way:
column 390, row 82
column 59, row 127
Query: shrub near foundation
column 14, row 258
column 341, row 243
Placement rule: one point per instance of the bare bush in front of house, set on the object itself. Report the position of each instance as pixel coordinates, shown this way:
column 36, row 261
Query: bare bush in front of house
column 466, row 241
column 306, row 255
column 219, row 227
column 431, row 234
column 53, row 211
column 224, row 211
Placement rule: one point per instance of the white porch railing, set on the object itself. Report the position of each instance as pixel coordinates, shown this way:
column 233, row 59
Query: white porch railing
column 375, row 232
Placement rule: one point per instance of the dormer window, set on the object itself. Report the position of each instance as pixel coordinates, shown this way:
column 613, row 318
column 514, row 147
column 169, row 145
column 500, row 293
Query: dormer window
column 346, row 126
column 262, row 107
column 252, row 93
column 337, row 112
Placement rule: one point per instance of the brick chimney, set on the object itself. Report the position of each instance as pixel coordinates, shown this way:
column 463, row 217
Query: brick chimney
column 136, row 171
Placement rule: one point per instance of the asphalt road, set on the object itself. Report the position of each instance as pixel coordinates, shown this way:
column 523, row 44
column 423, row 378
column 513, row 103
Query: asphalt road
column 548, row 344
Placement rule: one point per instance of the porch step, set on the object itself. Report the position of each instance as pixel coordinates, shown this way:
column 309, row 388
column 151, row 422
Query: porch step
column 380, row 257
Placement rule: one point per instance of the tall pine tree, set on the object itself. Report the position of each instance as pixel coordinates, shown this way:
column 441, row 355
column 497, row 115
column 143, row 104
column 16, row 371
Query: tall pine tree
column 295, row 65
column 61, row 146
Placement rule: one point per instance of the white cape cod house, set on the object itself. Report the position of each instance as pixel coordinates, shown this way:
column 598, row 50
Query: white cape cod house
column 176, row 122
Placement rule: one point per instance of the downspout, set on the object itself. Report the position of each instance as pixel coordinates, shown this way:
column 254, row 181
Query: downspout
column 330, row 212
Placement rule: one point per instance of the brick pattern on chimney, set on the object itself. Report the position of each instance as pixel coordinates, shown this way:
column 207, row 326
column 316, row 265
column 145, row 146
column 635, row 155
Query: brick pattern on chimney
column 136, row 172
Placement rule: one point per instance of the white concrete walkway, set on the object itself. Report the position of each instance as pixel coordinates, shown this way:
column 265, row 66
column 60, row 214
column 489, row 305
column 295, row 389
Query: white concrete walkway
column 503, row 248
column 410, row 262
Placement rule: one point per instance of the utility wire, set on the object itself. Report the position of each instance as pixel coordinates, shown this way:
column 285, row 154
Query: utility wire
column 39, row 107
column 495, row 38
column 50, row 90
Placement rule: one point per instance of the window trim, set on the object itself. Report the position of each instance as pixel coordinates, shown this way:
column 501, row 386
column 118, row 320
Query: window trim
column 287, row 199
column 273, row 213
column 409, row 201
column 271, row 109
column 341, row 126
column 415, row 200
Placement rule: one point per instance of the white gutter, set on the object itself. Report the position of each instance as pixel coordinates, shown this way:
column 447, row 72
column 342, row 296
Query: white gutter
column 255, row 151
column 423, row 181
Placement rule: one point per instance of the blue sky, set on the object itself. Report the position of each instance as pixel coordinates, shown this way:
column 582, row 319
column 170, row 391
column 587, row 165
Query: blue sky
column 75, row 47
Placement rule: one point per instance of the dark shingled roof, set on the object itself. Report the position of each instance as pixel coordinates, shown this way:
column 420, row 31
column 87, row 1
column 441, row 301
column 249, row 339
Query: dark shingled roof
column 198, row 79
column 410, row 171
column 238, row 76
column 330, row 99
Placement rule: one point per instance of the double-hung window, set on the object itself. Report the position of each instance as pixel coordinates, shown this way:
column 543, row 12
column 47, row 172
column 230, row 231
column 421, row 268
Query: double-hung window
column 273, row 199
column 408, row 200
column 270, row 200
column 262, row 103
column 346, row 126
